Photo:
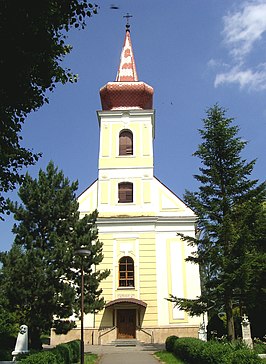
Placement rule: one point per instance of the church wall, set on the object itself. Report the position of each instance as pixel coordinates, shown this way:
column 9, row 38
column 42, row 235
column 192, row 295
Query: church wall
column 182, row 278
column 147, row 277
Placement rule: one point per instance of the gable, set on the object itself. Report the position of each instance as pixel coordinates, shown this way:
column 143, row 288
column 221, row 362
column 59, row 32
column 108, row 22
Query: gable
column 88, row 199
column 169, row 202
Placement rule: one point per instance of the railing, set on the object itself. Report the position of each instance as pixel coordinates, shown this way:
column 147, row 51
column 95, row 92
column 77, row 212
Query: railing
column 147, row 333
column 105, row 333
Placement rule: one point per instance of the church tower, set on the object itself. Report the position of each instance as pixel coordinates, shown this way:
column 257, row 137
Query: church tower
column 139, row 218
column 126, row 141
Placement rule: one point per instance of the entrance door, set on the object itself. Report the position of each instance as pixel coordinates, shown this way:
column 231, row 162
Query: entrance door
column 126, row 324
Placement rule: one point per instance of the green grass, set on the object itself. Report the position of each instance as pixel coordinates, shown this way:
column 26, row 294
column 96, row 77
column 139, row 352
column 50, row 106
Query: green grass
column 168, row 358
column 90, row 358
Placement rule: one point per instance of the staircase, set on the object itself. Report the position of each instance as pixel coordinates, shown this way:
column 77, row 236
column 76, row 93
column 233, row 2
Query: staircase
column 125, row 342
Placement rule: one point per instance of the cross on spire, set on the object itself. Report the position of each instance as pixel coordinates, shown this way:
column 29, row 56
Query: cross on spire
column 127, row 16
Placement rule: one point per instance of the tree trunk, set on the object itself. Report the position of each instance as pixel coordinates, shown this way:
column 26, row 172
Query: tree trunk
column 230, row 319
column 35, row 339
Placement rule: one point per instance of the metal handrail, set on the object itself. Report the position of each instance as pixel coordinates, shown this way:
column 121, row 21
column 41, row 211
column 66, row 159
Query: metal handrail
column 146, row 332
column 104, row 333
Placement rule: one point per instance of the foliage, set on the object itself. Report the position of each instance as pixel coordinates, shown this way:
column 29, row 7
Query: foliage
column 8, row 327
column 63, row 326
column 41, row 276
column 259, row 346
column 195, row 351
column 229, row 206
column 67, row 353
column 188, row 349
column 43, row 357
column 5, row 354
column 169, row 343
column 215, row 352
column 244, row 356
column 33, row 37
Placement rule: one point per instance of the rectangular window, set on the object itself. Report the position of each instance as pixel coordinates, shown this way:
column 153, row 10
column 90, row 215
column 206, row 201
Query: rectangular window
column 125, row 192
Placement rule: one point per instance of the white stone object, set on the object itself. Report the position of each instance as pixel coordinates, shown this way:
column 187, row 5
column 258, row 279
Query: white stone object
column 202, row 333
column 22, row 341
column 246, row 334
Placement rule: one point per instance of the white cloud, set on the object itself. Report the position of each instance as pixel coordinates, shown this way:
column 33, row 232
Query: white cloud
column 243, row 30
column 245, row 27
column 253, row 80
column 214, row 63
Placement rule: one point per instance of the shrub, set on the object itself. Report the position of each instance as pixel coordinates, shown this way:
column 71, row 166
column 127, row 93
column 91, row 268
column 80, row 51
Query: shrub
column 74, row 347
column 244, row 356
column 43, row 357
column 195, row 351
column 215, row 353
column 259, row 346
column 5, row 354
column 188, row 349
column 62, row 354
column 169, row 343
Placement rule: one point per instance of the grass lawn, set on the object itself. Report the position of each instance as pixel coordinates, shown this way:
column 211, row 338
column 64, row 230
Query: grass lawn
column 90, row 358
column 168, row 358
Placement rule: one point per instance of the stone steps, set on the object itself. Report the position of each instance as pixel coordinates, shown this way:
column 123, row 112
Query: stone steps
column 125, row 342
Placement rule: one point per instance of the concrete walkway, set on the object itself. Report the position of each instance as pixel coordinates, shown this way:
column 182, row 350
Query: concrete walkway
column 141, row 354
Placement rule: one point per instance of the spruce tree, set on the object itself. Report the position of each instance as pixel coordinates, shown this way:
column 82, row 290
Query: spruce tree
column 40, row 274
column 228, row 205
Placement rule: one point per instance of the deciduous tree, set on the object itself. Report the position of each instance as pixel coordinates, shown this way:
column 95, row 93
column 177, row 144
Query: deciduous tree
column 33, row 44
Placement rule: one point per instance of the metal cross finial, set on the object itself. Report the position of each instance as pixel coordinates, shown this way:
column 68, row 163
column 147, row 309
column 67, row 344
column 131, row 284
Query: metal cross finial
column 127, row 24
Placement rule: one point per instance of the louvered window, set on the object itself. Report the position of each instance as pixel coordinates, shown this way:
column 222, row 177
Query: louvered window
column 125, row 142
column 125, row 192
column 126, row 272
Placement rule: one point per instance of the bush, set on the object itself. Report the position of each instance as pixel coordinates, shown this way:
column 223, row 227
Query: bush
column 62, row 354
column 244, row 356
column 188, row 349
column 169, row 343
column 259, row 346
column 43, row 357
column 195, row 351
column 74, row 347
column 5, row 354
column 216, row 353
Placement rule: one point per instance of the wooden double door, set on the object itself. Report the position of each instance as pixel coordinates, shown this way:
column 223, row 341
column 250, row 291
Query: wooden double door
column 126, row 324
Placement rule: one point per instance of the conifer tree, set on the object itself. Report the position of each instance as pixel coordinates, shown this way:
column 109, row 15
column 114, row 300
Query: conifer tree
column 229, row 206
column 40, row 274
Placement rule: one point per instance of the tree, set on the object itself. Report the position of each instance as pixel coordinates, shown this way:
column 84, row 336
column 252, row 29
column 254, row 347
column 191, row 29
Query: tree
column 33, row 37
column 229, row 206
column 40, row 273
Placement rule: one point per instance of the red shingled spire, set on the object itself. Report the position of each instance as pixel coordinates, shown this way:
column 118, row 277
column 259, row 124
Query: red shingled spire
column 127, row 69
column 127, row 92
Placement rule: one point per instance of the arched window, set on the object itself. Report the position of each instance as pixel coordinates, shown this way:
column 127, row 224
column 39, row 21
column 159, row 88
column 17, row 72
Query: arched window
column 126, row 272
column 125, row 142
column 125, row 192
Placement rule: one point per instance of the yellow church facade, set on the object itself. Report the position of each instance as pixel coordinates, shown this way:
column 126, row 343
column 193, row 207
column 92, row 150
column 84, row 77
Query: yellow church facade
column 139, row 218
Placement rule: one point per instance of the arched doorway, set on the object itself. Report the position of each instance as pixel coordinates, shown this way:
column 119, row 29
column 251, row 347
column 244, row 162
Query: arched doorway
column 127, row 316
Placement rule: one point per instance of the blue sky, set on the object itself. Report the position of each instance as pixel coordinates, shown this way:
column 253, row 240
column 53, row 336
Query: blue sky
column 194, row 53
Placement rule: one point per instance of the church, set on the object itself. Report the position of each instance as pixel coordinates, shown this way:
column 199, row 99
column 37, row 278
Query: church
column 139, row 218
